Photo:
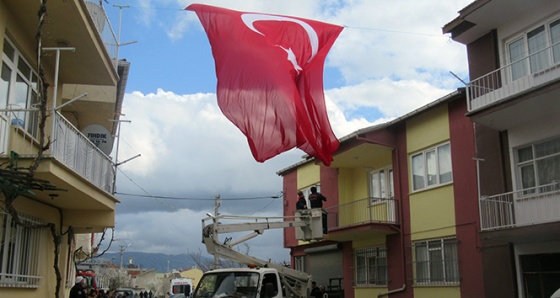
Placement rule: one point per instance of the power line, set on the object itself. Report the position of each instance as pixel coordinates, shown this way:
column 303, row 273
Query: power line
column 345, row 26
column 199, row 199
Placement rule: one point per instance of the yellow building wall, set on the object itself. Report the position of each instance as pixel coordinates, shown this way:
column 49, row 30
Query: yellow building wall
column 432, row 213
column 432, row 210
column 368, row 292
column 307, row 175
column 194, row 273
column 437, row 292
column 345, row 188
column 427, row 129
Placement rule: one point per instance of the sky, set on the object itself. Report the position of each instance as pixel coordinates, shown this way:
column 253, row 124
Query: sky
column 390, row 59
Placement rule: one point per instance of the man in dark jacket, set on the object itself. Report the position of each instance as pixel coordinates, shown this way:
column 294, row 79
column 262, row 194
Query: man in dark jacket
column 316, row 199
column 79, row 289
column 301, row 203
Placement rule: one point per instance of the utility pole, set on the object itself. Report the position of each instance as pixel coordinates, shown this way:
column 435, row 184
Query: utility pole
column 122, row 249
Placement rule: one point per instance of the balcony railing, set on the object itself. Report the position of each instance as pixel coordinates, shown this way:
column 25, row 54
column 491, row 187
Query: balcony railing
column 77, row 152
column 4, row 134
column 103, row 26
column 522, row 75
column 530, row 206
column 363, row 211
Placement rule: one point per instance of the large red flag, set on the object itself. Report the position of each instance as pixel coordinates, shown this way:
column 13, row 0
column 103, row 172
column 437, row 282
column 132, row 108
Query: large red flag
column 270, row 79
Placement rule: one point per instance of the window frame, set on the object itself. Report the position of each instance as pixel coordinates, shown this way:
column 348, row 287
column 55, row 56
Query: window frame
column 379, row 276
column 428, row 265
column 429, row 164
column 19, row 266
column 27, row 120
column 525, row 63
column 385, row 187
column 300, row 263
column 534, row 162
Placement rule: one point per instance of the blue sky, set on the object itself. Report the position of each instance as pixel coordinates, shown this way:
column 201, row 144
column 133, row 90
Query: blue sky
column 389, row 60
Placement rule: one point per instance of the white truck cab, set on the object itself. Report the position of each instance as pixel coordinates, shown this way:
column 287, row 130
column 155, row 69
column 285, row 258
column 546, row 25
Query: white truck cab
column 254, row 282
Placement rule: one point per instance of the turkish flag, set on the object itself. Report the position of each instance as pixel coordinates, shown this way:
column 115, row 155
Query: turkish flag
column 270, row 79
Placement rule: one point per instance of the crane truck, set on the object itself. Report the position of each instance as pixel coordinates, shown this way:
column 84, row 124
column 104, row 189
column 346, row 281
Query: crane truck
column 260, row 279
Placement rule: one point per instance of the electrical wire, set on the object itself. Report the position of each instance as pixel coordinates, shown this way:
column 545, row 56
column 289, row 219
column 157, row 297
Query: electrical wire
column 197, row 199
column 345, row 26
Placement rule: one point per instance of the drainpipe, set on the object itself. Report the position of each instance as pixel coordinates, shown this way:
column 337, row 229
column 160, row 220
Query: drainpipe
column 392, row 291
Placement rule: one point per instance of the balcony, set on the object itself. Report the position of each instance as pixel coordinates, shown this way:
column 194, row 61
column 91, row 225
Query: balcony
column 78, row 153
column 69, row 147
column 525, row 207
column 517, row 78
column 365, row 217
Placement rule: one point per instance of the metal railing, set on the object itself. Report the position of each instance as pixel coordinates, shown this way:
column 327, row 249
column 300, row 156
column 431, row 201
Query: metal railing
column 518, row 208
column 363, row 211
column 528, row 72
column 4, row 134
column 103, row 26
column 77, row 152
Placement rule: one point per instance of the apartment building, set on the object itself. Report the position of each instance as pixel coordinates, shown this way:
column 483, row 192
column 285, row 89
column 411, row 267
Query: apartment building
column 69, row 192
column 402, row 206
column 513, row 99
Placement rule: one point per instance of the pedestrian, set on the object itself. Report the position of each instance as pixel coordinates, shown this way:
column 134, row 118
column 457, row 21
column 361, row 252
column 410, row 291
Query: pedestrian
column 141, row 294
column 92, row 293
column 78, row 290
column 316, row 199
column 315, row 290
column 301, row 203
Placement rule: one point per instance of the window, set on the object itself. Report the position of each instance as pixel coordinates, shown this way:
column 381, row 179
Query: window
column 431, row 167
column 18, row 89
column 299, row 263
column 538, row 165
column 19, row 252
column 436, row 261
column 381, row 183
column 541, row 45
column 371, row 266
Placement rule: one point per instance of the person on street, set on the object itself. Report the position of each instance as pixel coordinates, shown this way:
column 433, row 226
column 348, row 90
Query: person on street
column 79, row 288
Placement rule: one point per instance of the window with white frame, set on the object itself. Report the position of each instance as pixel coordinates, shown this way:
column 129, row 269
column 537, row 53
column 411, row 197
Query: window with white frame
column 542, row 47
column 18, row 89
column 19, row 251
column 371, row 265
column 381, row 184
column 538, row 166
column 436, row 261
column 431, row 167
column 299, row 263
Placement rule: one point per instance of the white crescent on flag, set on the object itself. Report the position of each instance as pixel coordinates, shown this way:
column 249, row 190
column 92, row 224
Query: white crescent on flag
column 250, row 18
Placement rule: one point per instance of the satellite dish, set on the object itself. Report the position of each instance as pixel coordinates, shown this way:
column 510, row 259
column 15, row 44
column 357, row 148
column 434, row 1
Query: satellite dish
column 97, row 15
column 100, row 136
